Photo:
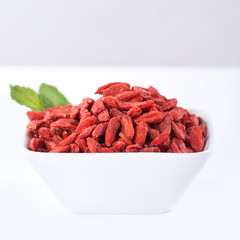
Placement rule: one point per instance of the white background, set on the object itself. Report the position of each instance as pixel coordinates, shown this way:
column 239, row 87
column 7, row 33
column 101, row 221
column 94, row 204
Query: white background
column 120, row 32
column 208, row 210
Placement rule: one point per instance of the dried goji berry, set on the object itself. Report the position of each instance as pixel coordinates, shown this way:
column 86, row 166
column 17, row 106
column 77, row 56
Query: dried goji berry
column 167, row 143
column 56, row 139
column 197, row 139
column 125, row 139
column 36, row 143
column 141, row 133
column 177, row 113
column 116, row 113
column 63, row 124
column 155, row 107
column 203, row 128
column 107, row 150
column 150, row 149
column 169, row 105
column 61, row 149
column 179, row 133
column 81, row 143
column 97, row 107
column 34, row 124
column 125, row 96
column 103, row 116
column 110, row 101
column 115, row 89
column 191, row 121
column 99, row 130
column 119, row 145
column 136, row 99
column 35, row 115
column 56, row 131
column 128, row 105
column 159, row 140
column 87, row 132
column 84, row 115
column 86, row 123
column 127, row 126
column 44, row 132
column 150, row 117
column 93, row 145
column 100, row 89
column 133, row 148
column 74, row 148
column 178, row 146
column 67, row 140
column 153, row 133
column 87, row 103
column 74, row 114
column 111, row 131
column 166, row 123
column 143, row 92
column 134, row 111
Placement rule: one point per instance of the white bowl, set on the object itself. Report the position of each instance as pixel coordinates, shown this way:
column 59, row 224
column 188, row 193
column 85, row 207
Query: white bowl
column 120, row 182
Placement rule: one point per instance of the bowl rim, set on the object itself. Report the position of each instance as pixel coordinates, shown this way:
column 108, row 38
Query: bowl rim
column 207, row 119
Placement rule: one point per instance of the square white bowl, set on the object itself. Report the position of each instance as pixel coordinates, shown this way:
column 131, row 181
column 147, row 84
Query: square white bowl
column 120, row 182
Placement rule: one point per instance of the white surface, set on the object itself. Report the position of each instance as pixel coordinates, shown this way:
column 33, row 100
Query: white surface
column 122, row 32
column 120, row 182
column 208, row 210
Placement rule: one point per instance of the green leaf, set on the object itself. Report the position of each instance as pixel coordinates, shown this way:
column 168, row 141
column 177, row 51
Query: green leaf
column 51, row 97
column 26, row 96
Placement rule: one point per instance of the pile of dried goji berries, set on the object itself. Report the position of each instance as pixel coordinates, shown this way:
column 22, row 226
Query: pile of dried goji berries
column 125, row 119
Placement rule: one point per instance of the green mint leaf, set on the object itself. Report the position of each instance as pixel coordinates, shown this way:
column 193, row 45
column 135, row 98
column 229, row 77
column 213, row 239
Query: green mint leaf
column 51, row 97
column 26, row 96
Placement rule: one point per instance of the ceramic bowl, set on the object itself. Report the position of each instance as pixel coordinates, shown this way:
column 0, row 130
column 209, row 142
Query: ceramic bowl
column 120, row 182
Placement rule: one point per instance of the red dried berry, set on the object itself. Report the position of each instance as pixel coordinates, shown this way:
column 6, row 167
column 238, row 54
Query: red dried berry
column 61, row 149
column 119, row 146
column 100, row 89
column 169, row 105
column 133, row 148
column 116, row 113
column 63, row 124
column 36, row 143
column 197, row 139
column 179, row 133
column 68, row 140
column 127, row 126
column 74, row 148
column 97, row 107
column 81, row 144
column 104, row 116
column 159, row 140
column 150, row 149
column 44, row 132
column 93, row 145
column 150, row 117
column 35, row 115
column 142, row 92
column 115, row 89
column 134, row 111
column 125, row 139
column 141, row 133
column 112, row 130
column 125, row 96
column 86, row 123
column 99, row 130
